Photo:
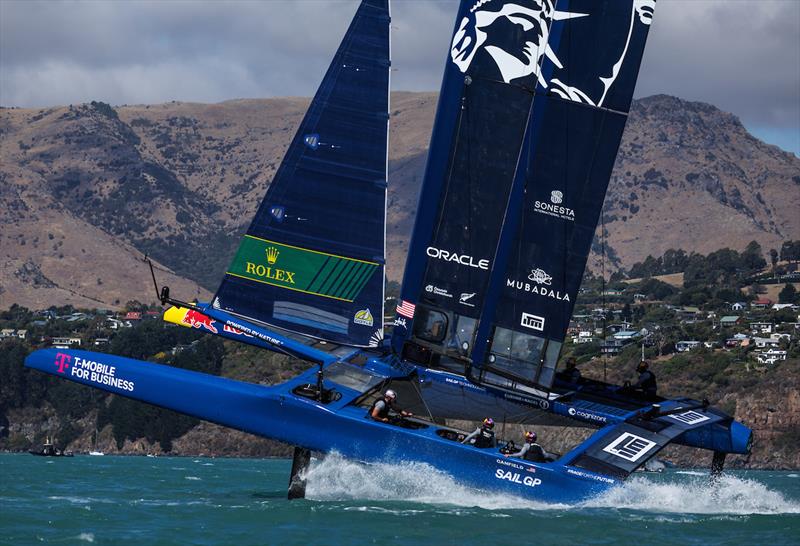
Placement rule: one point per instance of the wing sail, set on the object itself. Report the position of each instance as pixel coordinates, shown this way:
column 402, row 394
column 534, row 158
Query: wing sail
column 533, row 105
column 575, row 131
column 312, row 260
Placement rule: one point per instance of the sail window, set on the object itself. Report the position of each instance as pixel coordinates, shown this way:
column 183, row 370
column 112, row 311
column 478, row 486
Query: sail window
column 516, row 353
column 354, row 378
column 431, row 325
column 461, row 340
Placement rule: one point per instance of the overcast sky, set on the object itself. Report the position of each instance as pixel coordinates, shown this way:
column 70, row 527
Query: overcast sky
column 741, row 55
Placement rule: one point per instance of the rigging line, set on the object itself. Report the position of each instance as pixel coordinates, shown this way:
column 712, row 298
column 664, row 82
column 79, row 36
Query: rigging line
column 603, row 284
column 422, row 398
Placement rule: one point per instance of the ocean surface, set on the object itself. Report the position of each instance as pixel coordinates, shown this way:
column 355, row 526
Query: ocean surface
column 153, row 501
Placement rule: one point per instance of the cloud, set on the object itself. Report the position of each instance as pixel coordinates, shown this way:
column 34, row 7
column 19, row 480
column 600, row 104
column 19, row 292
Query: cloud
column 742, row 56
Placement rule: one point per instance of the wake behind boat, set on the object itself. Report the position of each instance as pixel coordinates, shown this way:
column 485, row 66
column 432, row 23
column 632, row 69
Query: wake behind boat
column 533, row 103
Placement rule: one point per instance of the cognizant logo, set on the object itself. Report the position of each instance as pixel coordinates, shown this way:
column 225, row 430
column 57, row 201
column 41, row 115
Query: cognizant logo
column 461, row 259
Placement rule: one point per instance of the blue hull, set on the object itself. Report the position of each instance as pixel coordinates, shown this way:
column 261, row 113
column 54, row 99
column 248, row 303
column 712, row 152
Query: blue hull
column 277, row 413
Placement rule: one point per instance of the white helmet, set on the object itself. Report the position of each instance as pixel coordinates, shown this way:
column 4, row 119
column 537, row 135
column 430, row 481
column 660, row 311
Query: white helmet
column 390, row 394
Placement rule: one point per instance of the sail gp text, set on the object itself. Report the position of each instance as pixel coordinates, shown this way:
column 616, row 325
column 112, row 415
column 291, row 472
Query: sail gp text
column 99, row 373
column 516, row 477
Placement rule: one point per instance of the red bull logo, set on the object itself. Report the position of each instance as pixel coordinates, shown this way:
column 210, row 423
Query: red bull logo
column 196, row 319
column 62, row 361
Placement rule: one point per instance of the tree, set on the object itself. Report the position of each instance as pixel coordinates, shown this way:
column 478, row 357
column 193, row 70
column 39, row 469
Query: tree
column 788, row 294
column 773, row 258
column 752, row 257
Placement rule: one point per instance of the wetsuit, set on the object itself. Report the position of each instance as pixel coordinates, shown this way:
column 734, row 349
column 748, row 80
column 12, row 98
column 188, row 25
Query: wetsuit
column 484, row 437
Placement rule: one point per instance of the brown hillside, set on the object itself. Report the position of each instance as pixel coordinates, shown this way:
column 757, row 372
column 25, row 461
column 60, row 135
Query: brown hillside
column 181, row 181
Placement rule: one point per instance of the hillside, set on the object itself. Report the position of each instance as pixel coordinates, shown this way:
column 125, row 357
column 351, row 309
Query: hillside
column 89, row 188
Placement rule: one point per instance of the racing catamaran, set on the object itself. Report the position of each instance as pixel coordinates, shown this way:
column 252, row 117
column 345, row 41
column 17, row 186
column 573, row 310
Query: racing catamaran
column 532, row 107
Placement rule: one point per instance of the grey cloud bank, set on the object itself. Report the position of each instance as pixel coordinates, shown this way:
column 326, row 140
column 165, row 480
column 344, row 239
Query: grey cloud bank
column 743, row 56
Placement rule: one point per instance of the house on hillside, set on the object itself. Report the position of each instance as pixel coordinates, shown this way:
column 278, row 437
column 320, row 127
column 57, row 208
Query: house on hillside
column 639, row 297
column 65, row 342
column 619, row 327
column 762, row 327
column 611, row 292
column 761, row 303
column 583, row 336
column 116, row 324
column 573, row 328
column 766, row 342
column 6, row 333
column 47, row 314
column 22, row 334
column 739, row 340
column 627, row 336
column 688, row 313
column 133, row 315
column 730, row 320
column 771, row 356
column 611, row 346
column 684, row 346
column 738, row 306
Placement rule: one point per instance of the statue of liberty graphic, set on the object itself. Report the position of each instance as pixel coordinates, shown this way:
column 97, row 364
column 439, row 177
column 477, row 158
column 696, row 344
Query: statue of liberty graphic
column 515, row 35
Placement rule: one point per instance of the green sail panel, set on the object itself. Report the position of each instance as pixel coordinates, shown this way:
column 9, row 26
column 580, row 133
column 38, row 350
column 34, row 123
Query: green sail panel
column 301, row 269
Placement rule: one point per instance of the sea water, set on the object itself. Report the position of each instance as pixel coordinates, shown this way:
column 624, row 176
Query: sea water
column 143, row 500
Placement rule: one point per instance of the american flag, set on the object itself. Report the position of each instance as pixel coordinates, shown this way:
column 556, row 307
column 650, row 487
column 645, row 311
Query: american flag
column 406, row 309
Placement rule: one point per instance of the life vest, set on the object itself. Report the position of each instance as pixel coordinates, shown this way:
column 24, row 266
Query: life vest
column 535, row 453
column 382, row 413
column 485, row 438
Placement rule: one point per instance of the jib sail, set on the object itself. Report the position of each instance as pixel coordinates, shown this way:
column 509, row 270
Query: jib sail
column 495, row 269
column 312, row 261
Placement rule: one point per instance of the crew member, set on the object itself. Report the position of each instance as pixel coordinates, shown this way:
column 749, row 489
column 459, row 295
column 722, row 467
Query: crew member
column 483, row 436
column 531, row 451
column 646, row 385
column 571, row 372
column 382, row 406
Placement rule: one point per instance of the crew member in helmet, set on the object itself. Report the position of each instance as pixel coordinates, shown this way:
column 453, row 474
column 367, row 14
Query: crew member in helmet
column 646, row 385
column 483, row 436
column 382, row 406
column 531, row 451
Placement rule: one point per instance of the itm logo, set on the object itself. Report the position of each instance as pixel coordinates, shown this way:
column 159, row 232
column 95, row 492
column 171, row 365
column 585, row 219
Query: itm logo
column 272, row 255
column 556, row 197
column 62, row 361
column 534, row 322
